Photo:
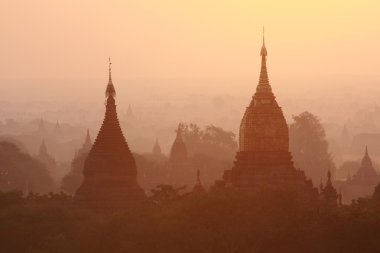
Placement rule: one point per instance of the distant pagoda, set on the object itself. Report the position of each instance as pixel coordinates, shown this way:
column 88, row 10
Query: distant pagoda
column 110, row 174
column 328, row 194
column 179, row 172
column 366, row 175
column 87, row 145
column 156, row 149
column 44, row 156
column 72, row 180
column 362, row 183
column 178, row 152
column 198, row 187
column 263, row 159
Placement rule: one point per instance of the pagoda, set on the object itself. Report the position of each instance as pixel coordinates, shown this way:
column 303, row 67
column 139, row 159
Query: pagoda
column 44, row 156
column 87, row 145
column 263, row 159
column 363, row 182
column 179, row 171
column 366, row 175
column 110, row 174
column 198, row 187
column 156, row 149
column 72, row 180
column 178, row 152
column 328, row 194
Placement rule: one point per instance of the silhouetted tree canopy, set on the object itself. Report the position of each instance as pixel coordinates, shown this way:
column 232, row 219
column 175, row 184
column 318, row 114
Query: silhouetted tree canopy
column 19, row 171
column 212, row 140
column 262, row 222
column 309, row 146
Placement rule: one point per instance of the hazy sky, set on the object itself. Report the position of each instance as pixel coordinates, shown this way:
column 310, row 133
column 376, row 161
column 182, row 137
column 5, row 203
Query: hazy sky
column 308, row 41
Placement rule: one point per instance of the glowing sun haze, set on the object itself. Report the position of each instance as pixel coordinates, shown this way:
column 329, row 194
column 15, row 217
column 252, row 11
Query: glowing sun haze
column 201, row 39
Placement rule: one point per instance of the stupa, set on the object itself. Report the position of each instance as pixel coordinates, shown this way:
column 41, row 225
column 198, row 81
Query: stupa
column 263, row 159
column 110, row 174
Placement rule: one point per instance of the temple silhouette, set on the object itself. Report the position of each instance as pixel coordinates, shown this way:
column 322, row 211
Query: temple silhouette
column 46, row 158
column 110, row 174
column 178, row 152
column 263, row 159
column 156, row 149
column 362, row 183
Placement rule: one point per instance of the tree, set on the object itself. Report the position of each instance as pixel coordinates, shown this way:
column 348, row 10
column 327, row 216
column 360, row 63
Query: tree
column 309, row 146
column 212, row 140
column 21, row 172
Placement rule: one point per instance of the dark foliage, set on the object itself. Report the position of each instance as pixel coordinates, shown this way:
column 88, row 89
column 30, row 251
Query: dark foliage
column 268, row 221
column 309, row 147
column 212, row 140
column 19, row 171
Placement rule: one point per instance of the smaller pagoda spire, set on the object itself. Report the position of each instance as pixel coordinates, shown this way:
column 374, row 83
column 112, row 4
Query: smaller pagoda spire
column 87, row 143
column 198, row 187
column 110, row 91
column 366, row 174
column 43, row 149
column 366, row 161
column 157, row 149
column 178, row 152
column 329, row 194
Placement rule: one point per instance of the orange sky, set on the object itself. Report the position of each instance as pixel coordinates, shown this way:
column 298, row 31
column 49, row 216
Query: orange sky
column 219, row 39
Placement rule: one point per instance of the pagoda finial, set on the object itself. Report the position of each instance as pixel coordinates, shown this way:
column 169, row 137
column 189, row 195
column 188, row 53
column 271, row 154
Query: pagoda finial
column 263, row 35
column 366, row 150
column 109, row 67
column 263, row 52
column 110, row 91
column 198, row 175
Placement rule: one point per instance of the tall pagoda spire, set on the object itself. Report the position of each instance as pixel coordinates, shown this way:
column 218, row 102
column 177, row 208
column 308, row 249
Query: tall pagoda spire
column 263, row 158
column 110, row 173
column 264, row 86
column 263, row 114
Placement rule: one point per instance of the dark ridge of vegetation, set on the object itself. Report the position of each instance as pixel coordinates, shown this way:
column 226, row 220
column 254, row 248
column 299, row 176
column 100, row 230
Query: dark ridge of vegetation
column 20, row 171
column 268, row 221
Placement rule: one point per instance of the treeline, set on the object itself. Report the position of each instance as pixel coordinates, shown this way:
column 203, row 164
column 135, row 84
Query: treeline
column 269, row 221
